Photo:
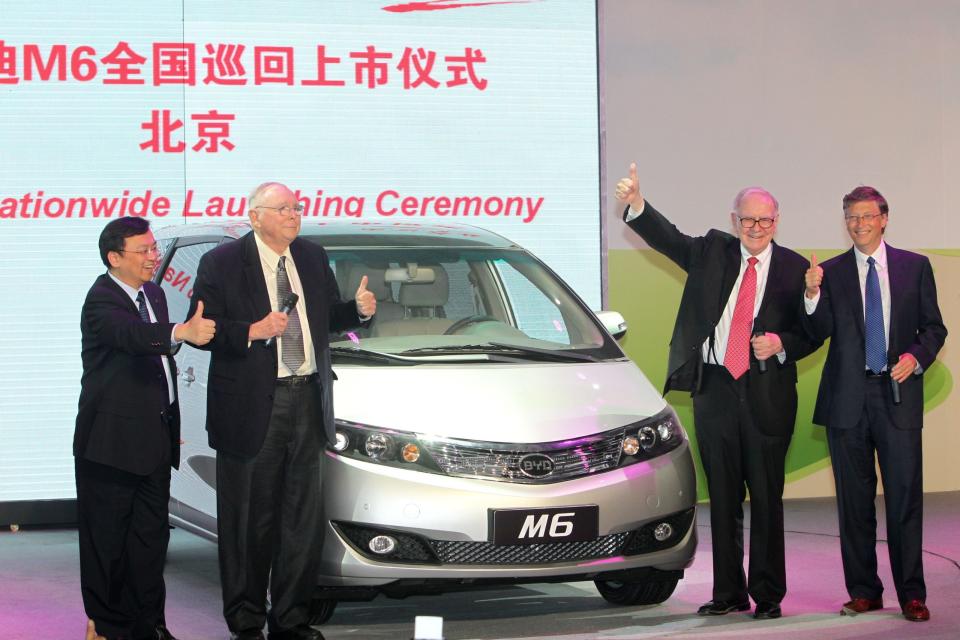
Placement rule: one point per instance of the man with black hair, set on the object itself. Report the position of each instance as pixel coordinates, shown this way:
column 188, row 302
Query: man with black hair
column 127, row 435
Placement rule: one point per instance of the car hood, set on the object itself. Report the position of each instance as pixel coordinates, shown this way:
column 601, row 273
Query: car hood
column 524, row 403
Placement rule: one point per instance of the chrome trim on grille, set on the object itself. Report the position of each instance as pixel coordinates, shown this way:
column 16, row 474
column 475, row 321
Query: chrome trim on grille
column 458, row 552
column 494, row 461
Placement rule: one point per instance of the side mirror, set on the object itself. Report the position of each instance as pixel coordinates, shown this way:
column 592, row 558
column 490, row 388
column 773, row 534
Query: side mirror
column 613, row 322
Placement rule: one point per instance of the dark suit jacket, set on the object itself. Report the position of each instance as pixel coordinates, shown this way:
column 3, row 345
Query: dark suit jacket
column 242, row 378
column 712, row 264
column 916, row 327
column 123, row 392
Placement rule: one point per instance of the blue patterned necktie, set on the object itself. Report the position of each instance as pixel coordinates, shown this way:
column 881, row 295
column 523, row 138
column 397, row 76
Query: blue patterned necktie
column 142, row 307
column 873, row 321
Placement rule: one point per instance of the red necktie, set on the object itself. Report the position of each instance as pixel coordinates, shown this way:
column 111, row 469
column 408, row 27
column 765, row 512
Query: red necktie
column 737, row 357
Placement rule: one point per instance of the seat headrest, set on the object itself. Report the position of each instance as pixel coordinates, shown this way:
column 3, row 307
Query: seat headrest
column 375, row 281
column 426, row 294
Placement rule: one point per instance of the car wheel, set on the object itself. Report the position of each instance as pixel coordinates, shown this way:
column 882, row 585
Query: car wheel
column 321, row 610
column 632, row 593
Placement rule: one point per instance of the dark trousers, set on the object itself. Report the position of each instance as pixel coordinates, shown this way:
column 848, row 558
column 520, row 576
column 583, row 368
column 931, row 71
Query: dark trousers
column 123, row 531
column 900, row 454
column 737, row 457
column 269, row 517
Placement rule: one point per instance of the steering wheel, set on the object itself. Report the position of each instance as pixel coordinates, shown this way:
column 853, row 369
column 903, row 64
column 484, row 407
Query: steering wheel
column 463, row 323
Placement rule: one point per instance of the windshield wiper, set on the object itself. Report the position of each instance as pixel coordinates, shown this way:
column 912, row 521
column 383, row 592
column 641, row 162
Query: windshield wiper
column 371, row 356
column 499, row 347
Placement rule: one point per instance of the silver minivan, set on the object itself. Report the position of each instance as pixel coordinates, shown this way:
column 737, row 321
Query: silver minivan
column 490, row 430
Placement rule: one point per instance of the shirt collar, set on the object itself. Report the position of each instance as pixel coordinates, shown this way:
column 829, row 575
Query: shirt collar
column 761, row 257
column 268, row 256
column 879, row 256
column 130, row 291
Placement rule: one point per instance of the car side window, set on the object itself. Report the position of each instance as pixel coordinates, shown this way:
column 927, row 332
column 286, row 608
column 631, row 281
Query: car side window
column 180, row 275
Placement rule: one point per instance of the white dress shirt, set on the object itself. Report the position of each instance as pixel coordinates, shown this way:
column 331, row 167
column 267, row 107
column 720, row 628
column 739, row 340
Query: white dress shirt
column 268, row 262
column 883, row 275
column 130, row 291
column 722, row 331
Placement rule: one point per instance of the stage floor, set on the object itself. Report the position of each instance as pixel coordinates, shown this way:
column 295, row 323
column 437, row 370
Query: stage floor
column 40, row 595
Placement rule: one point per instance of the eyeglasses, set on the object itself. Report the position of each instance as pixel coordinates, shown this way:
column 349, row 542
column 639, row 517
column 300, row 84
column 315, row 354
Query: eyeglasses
column 285, row 210
column 144, row 251
column 866, row 218
column 749, row 223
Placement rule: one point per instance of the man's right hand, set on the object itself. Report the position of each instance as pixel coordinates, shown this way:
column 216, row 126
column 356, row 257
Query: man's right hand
column 197, row 330
column 272, row 325
column 813, row 278
column 628, row 189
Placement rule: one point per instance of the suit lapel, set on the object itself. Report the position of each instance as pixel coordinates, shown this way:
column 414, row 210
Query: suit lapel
column 773, row 280
column 897, row 278
column 255, row 283
column 731, row 269
column 849, row 279
column 309, row 273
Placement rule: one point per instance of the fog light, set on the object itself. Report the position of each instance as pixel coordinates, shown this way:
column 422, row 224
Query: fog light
column 665, row 430
column 663, row 531
column 410, row 452
column 377, row 445
column 341, row 442
column 631, row 445
column 382, row 545
column 648, row 438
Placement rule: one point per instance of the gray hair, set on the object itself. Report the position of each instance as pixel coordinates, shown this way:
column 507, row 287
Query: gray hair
column 750, row 191
column 254, row 198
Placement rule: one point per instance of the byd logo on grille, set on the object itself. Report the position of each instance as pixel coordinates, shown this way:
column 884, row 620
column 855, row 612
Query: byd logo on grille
column 536, row 465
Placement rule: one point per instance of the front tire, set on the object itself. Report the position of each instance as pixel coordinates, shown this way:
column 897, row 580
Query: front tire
column 634, row 593
column 321, row 610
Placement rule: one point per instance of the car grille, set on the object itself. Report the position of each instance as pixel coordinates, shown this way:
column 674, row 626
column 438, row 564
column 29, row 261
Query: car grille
column 570, row 459
column 455, row 552
column 416, row 549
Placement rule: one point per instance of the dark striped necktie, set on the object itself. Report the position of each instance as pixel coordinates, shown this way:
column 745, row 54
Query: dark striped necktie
column 291, row 342
column 142, row 307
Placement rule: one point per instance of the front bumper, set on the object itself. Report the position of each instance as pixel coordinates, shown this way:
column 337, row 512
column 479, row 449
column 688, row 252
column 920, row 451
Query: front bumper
column 453, row 514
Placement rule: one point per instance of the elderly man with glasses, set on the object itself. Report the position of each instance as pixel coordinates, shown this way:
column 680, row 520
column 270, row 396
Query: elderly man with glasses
column 735, row 345
column 270, row 410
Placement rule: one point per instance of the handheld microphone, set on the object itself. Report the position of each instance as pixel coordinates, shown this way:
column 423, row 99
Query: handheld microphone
column 761, row 364
column 288, row 303
column 894, row 385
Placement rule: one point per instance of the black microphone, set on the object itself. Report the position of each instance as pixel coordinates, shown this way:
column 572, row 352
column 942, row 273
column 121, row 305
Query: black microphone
column 894, row 385
column 288, row 303
column 761, row 364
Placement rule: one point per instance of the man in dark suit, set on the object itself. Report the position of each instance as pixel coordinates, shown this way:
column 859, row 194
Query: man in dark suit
column 127, row 435
column 744, row 407
column 879, row 306
column 270, row 411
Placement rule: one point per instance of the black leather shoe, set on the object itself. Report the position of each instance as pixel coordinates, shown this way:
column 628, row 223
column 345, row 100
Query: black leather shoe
column 767, row 610
column 302, row 632
column 249, row 634
column 722, row 607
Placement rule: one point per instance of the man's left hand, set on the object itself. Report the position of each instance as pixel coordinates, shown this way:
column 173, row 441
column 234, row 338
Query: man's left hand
column 904, row 368
column 366, row 301
column 766, row 346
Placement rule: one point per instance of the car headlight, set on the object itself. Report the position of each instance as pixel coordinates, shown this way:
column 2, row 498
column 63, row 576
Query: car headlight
column 383, row 446
column 651, row 437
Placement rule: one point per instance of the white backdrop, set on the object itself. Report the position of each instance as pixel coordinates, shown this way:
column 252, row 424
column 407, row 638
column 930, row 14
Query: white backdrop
column 111, row 104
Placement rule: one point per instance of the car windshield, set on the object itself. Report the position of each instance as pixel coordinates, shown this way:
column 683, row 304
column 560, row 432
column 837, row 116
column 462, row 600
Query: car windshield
column 461, row 304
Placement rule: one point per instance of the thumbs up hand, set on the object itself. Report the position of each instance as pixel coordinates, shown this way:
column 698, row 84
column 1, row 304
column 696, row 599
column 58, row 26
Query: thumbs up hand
column 197, row 330
column 366, row 301
column 813, row 278
column 628, row 189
